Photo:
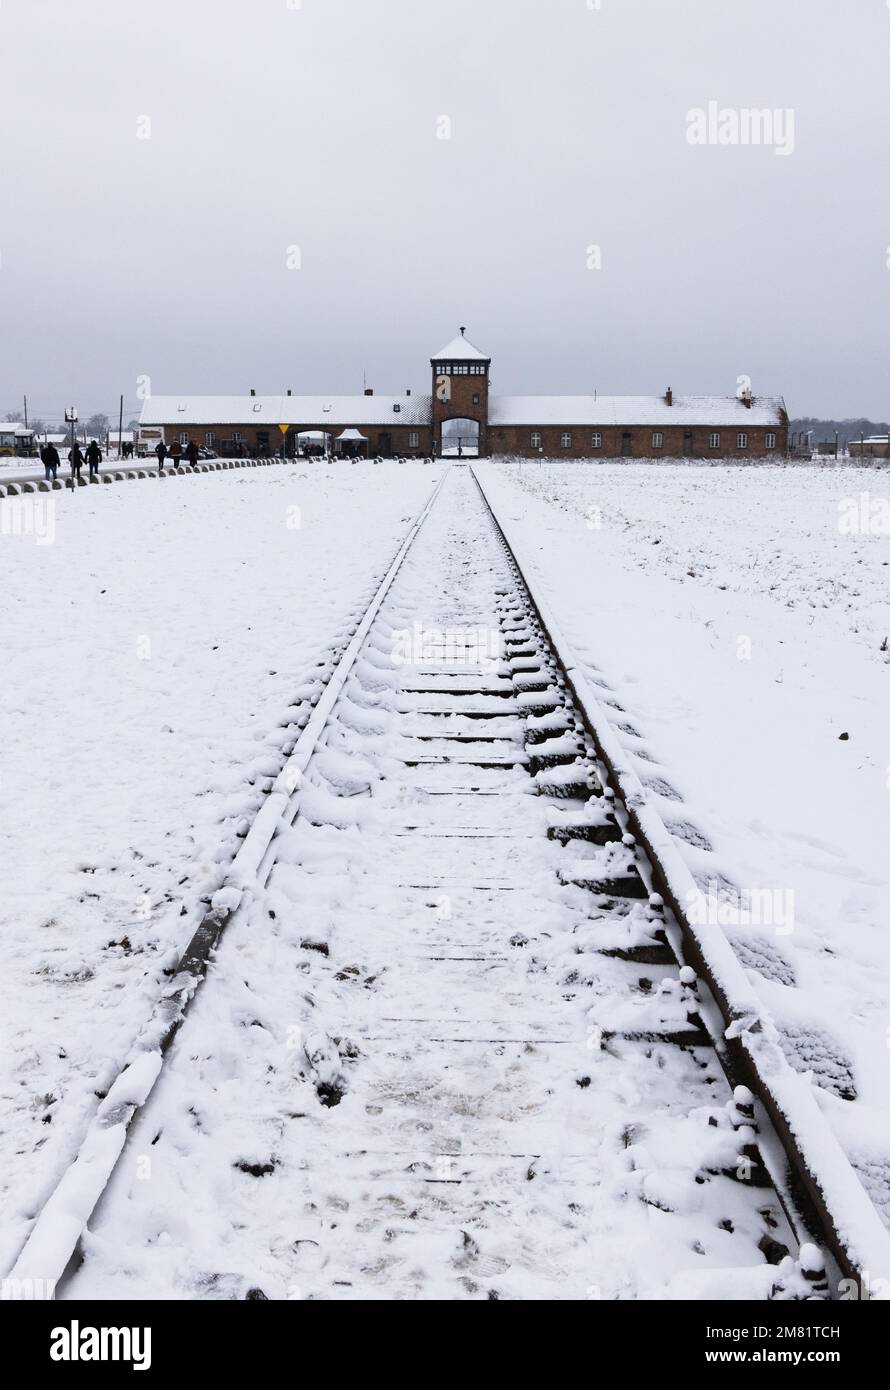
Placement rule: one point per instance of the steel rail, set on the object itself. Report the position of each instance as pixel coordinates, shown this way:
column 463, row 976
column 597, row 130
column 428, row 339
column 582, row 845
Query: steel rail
column 63, row 1217
column 847, row 1223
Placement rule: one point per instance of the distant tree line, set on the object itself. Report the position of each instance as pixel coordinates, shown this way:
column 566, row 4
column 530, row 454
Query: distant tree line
column 96, row 427
column 846, row 429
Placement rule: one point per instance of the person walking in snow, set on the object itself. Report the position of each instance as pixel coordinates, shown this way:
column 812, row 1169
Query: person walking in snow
column 75, row 458
column 94, row 457
column 191, row 453
column 161, row 451
column 51, row 462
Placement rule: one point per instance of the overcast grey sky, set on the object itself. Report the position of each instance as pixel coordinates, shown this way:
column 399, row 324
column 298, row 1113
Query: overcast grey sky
column 316, row 125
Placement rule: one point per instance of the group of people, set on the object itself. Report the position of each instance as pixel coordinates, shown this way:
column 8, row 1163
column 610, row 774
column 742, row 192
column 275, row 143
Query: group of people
column 176, row 455
column 49, row 457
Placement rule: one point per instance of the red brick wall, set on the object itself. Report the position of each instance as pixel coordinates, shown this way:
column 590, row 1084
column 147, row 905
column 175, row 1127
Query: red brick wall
column 461, row 405
column 224, row 434
column 515, row 439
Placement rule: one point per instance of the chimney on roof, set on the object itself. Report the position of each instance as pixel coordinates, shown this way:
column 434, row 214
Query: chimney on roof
column 669, row 397
column 289, row 391
column 252, row 391
column 408, row 391
column 369, row 390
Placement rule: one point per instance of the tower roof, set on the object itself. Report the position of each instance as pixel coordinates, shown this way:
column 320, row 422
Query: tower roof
column 460, row 349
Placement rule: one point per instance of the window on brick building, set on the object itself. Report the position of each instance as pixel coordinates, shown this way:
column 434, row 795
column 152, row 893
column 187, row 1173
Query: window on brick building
column 184, row 439
column 714, row 441
column 210, row 439
column 566, row 440
column 742, row 441
column 657, row 439
column 537, row 440
column 238, row 438
column 413, row 441
column 596, row 441
column 770, row 441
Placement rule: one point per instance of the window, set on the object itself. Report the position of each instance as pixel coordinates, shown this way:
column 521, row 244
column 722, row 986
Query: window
column 461, row 369
column 770, row 441
column 742, row 441
column 210, row 439
column 714, row 441
column 238, row 438
column 537, row 439
column 596, row 441
column 657, row 439
column 476, row 398
column 566, row 440
column 413, row 441
column 184, row 439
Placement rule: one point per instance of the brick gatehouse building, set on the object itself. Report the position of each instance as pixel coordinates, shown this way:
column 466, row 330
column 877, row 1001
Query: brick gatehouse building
column 460, row 416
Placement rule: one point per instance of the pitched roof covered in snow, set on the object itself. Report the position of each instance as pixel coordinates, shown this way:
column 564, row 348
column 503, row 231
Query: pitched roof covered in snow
column 460, row 349
column 636, row 410
column 287, row 410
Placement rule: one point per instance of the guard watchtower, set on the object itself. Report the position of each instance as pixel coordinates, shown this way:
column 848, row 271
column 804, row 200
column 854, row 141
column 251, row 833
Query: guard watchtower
column 460, row 398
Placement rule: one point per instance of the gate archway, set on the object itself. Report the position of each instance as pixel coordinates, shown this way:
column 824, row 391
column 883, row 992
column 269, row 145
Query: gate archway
column 460, row 438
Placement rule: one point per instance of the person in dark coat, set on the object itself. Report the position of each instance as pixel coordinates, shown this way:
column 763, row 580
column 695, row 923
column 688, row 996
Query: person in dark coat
column 176, row 453
column 161, row 451
column 50, row 456
column 94, row 457
column 75, row 458
column 191, row 454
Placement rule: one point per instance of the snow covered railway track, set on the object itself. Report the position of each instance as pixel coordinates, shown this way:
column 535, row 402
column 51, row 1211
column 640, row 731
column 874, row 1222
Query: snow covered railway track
column 453, row 1046
column 820, row 1191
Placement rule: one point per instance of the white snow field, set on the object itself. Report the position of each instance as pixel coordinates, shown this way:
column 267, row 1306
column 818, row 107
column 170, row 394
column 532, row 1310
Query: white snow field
column 390, row 1088
column 156, row 638
column 393, row 1084
column 740, row 615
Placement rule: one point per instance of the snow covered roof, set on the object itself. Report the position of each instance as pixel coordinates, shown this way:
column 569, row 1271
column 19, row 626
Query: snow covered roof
column 15, row 427
column 460, row 349
column 635, row 410
column 287, row 410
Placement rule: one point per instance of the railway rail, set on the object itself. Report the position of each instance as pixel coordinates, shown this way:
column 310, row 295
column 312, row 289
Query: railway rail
column 519, row 1059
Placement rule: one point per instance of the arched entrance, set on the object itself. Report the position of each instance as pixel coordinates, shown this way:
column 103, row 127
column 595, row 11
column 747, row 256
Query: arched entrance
column 460, row 438
column 313, row 443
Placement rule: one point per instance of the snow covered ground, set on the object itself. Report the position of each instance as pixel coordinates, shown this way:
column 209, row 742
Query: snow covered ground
column 161, row 638
column 155, row 640
column 740, row 615
column 390, row 1087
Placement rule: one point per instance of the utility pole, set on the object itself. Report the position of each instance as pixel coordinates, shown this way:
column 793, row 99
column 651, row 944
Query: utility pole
column 25, row 398
column 120, row 432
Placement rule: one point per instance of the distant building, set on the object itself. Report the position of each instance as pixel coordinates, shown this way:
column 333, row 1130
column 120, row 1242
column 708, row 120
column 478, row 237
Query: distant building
column 876, row 446
column 16, row 440
column 459, row 417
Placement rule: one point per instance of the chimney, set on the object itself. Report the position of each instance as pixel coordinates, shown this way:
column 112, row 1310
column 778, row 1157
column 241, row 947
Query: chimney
column 408, row 392
column 289, row 391
column 252, row 391
column 669, row 397
column 369, row 390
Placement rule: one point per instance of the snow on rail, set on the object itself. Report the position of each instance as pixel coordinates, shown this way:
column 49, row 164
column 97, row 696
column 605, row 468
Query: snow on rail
column 63, row 1218
column 853, row 1228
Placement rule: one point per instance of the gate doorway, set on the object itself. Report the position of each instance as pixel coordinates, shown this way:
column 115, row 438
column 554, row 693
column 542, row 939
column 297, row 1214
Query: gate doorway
column 460, row 439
